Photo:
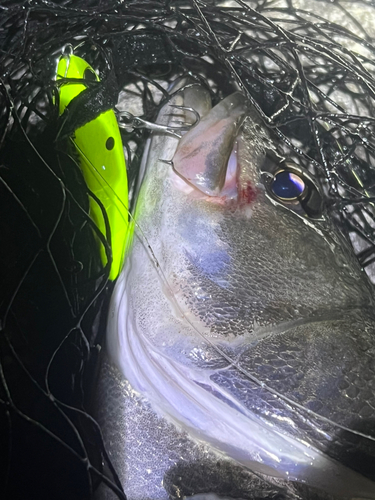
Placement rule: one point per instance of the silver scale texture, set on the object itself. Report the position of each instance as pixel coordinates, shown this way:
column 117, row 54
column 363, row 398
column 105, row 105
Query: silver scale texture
column 155, row 461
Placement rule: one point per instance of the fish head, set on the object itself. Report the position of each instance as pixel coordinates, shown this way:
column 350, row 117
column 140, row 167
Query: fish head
column 242, row 313
column 253, row 230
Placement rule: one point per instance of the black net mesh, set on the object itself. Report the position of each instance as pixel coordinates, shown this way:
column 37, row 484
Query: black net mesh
column 312, row 81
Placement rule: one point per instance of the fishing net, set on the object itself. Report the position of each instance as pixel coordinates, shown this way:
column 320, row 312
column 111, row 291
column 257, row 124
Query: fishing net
column 309, row 75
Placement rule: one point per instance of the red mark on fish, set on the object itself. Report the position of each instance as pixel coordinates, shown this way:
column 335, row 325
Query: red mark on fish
column 247, row 194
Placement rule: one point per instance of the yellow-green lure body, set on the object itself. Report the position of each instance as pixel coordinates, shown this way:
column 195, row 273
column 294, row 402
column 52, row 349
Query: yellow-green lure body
column 102, row 160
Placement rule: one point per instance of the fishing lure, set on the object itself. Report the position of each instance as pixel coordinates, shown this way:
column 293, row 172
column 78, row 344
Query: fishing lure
column 101, row 158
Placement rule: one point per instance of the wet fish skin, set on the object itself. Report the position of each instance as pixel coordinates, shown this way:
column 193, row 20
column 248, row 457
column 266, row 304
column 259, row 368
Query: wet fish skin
column 155, row 460
column 282, row 296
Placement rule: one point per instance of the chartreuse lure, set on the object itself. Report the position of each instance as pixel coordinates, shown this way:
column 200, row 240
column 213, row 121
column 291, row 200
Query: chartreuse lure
column 101, row 157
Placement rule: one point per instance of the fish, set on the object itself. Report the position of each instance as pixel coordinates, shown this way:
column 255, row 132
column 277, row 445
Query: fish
column 240, row 356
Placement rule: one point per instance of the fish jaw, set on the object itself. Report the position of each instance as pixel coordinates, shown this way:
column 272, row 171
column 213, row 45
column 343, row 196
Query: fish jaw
column 203, row 162
column 229, row 274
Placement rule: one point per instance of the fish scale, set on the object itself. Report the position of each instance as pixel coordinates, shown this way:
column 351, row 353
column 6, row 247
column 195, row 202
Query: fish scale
column 157, row 461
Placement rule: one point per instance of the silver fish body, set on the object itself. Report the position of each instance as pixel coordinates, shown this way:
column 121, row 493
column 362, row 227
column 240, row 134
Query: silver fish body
column 240, row 330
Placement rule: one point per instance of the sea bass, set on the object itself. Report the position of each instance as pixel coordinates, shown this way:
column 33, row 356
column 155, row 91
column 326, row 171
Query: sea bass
column 241, row 329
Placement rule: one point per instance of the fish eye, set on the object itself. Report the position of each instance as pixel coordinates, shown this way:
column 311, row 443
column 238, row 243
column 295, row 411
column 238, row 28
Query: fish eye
column 110, row 143
column 293, row 187
column 287, row 185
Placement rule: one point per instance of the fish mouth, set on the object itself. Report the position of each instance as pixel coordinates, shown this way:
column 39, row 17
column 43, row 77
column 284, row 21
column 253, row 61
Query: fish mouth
column 202, row 402
column 204, row 153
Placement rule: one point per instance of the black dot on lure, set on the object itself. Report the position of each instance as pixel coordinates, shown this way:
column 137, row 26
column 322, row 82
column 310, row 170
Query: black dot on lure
column 110, row 143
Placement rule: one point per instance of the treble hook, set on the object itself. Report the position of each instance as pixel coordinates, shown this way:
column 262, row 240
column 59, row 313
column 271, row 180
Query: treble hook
column 66, row 52
column 131, row 121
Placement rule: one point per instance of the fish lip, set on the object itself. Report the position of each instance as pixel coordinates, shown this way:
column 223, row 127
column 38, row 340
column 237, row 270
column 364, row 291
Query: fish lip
column 202, row 155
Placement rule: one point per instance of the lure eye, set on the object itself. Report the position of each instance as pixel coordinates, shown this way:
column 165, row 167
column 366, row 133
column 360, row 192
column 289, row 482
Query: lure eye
column 110, row 143
column 287, row 185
